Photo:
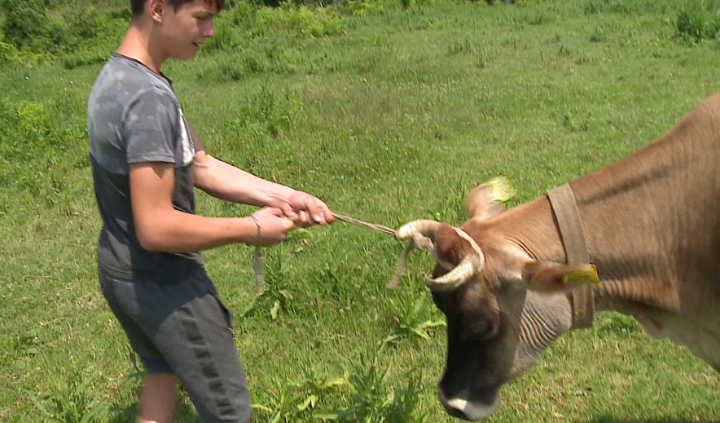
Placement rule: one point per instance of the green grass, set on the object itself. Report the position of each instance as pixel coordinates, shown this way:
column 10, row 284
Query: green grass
column 394, row 119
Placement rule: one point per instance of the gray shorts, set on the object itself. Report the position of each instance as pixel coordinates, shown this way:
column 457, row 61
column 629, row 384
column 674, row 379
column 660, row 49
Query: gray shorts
column 181, row 327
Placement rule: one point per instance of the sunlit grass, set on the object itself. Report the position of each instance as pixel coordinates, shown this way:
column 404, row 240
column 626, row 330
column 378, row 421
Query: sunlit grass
column 396, row 119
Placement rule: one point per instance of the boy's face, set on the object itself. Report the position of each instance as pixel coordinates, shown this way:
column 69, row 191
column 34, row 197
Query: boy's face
column 187, row 28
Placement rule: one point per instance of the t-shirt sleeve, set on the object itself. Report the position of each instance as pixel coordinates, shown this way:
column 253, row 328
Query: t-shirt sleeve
column 150, row 127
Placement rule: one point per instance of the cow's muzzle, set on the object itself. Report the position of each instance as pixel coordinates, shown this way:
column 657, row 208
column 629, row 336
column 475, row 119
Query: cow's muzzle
column 467, row 410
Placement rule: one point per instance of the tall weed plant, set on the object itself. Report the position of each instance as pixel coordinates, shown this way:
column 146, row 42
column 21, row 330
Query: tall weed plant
column 28, row 24
column 243, row 22
column 412, row 319
column 302, row 21
column 636, row 7
column 695, row 19
column 290, row 401
column 34, row 31
column 360, row 8
column 233, row 27
column 698, row 20
column 373, row 400
column 36, row 152
column 71, row 400
column 11, row 56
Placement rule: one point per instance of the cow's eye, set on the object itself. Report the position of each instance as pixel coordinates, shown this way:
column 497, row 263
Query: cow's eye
column 482, row 329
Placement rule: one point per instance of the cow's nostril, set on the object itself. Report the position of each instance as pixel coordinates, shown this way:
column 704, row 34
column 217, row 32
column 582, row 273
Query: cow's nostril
column 462, row 408
column 456, row 407
column 453, row 407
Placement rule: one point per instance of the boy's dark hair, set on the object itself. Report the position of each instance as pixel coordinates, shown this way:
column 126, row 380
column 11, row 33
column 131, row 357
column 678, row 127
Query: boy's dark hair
column 137, row 5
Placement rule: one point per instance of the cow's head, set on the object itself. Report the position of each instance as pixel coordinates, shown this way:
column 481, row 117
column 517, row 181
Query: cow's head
column 502, row 307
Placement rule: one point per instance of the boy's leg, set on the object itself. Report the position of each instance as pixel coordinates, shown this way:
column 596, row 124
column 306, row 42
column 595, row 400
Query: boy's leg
column 181, row 327
column 197, row 342
column 157, row 404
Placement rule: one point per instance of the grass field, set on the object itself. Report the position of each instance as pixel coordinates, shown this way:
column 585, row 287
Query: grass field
column 395, row 117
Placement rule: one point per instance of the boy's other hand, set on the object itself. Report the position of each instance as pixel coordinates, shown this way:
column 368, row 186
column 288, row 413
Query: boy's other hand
column 305, row 210
column 274, row 226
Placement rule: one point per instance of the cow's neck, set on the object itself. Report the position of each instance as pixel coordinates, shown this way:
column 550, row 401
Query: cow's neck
column 652, row 227
column 651, row 219
column 635, row 212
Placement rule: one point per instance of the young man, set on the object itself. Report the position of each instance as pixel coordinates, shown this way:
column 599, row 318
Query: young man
column 146, row 160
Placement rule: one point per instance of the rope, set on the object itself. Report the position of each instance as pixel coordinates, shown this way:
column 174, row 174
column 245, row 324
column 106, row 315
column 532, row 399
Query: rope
column 400, row 267
column 257, row 256
column 499, row 189
column 258, row 270
column 368, row 225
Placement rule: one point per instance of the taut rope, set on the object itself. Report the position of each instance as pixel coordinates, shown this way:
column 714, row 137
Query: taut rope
column 499, row 190
column 400, row 267
column 368, row 225
column 257, row 257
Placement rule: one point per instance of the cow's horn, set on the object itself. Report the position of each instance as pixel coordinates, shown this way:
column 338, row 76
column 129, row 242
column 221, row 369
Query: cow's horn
column 466, row 269
column 425, row 228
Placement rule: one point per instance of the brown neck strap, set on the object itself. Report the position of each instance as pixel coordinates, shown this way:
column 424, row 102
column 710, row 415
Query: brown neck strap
column 573, row 239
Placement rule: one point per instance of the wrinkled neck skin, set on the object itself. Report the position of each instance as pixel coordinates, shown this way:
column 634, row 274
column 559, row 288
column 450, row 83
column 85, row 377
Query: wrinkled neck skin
column 532, row 228
column 652, row 227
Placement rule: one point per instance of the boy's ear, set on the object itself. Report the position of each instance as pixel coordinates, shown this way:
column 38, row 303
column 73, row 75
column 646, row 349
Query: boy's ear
column 551, row 277
column 157, row 8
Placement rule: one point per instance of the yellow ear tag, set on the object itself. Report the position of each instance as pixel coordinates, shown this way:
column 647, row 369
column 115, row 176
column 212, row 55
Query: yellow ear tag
column 584, row 274
column 500, row 189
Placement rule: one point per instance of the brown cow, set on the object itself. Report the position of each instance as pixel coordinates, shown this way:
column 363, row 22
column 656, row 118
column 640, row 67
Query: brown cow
column 652, row 227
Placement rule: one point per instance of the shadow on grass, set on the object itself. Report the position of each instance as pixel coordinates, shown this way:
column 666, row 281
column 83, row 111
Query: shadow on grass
column 613, row 419
column 183, row 414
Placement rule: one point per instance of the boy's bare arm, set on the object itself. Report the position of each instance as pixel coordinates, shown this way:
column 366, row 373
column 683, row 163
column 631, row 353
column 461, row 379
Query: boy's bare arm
column 227, row 182
column 160, row 227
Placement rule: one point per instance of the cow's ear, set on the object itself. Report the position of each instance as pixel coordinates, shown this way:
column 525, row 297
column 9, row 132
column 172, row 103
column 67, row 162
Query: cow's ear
column 486, row 200
column 555, row 277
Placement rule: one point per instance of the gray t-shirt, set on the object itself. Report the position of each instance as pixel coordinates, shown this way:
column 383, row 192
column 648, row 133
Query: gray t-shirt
column 134, row 117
